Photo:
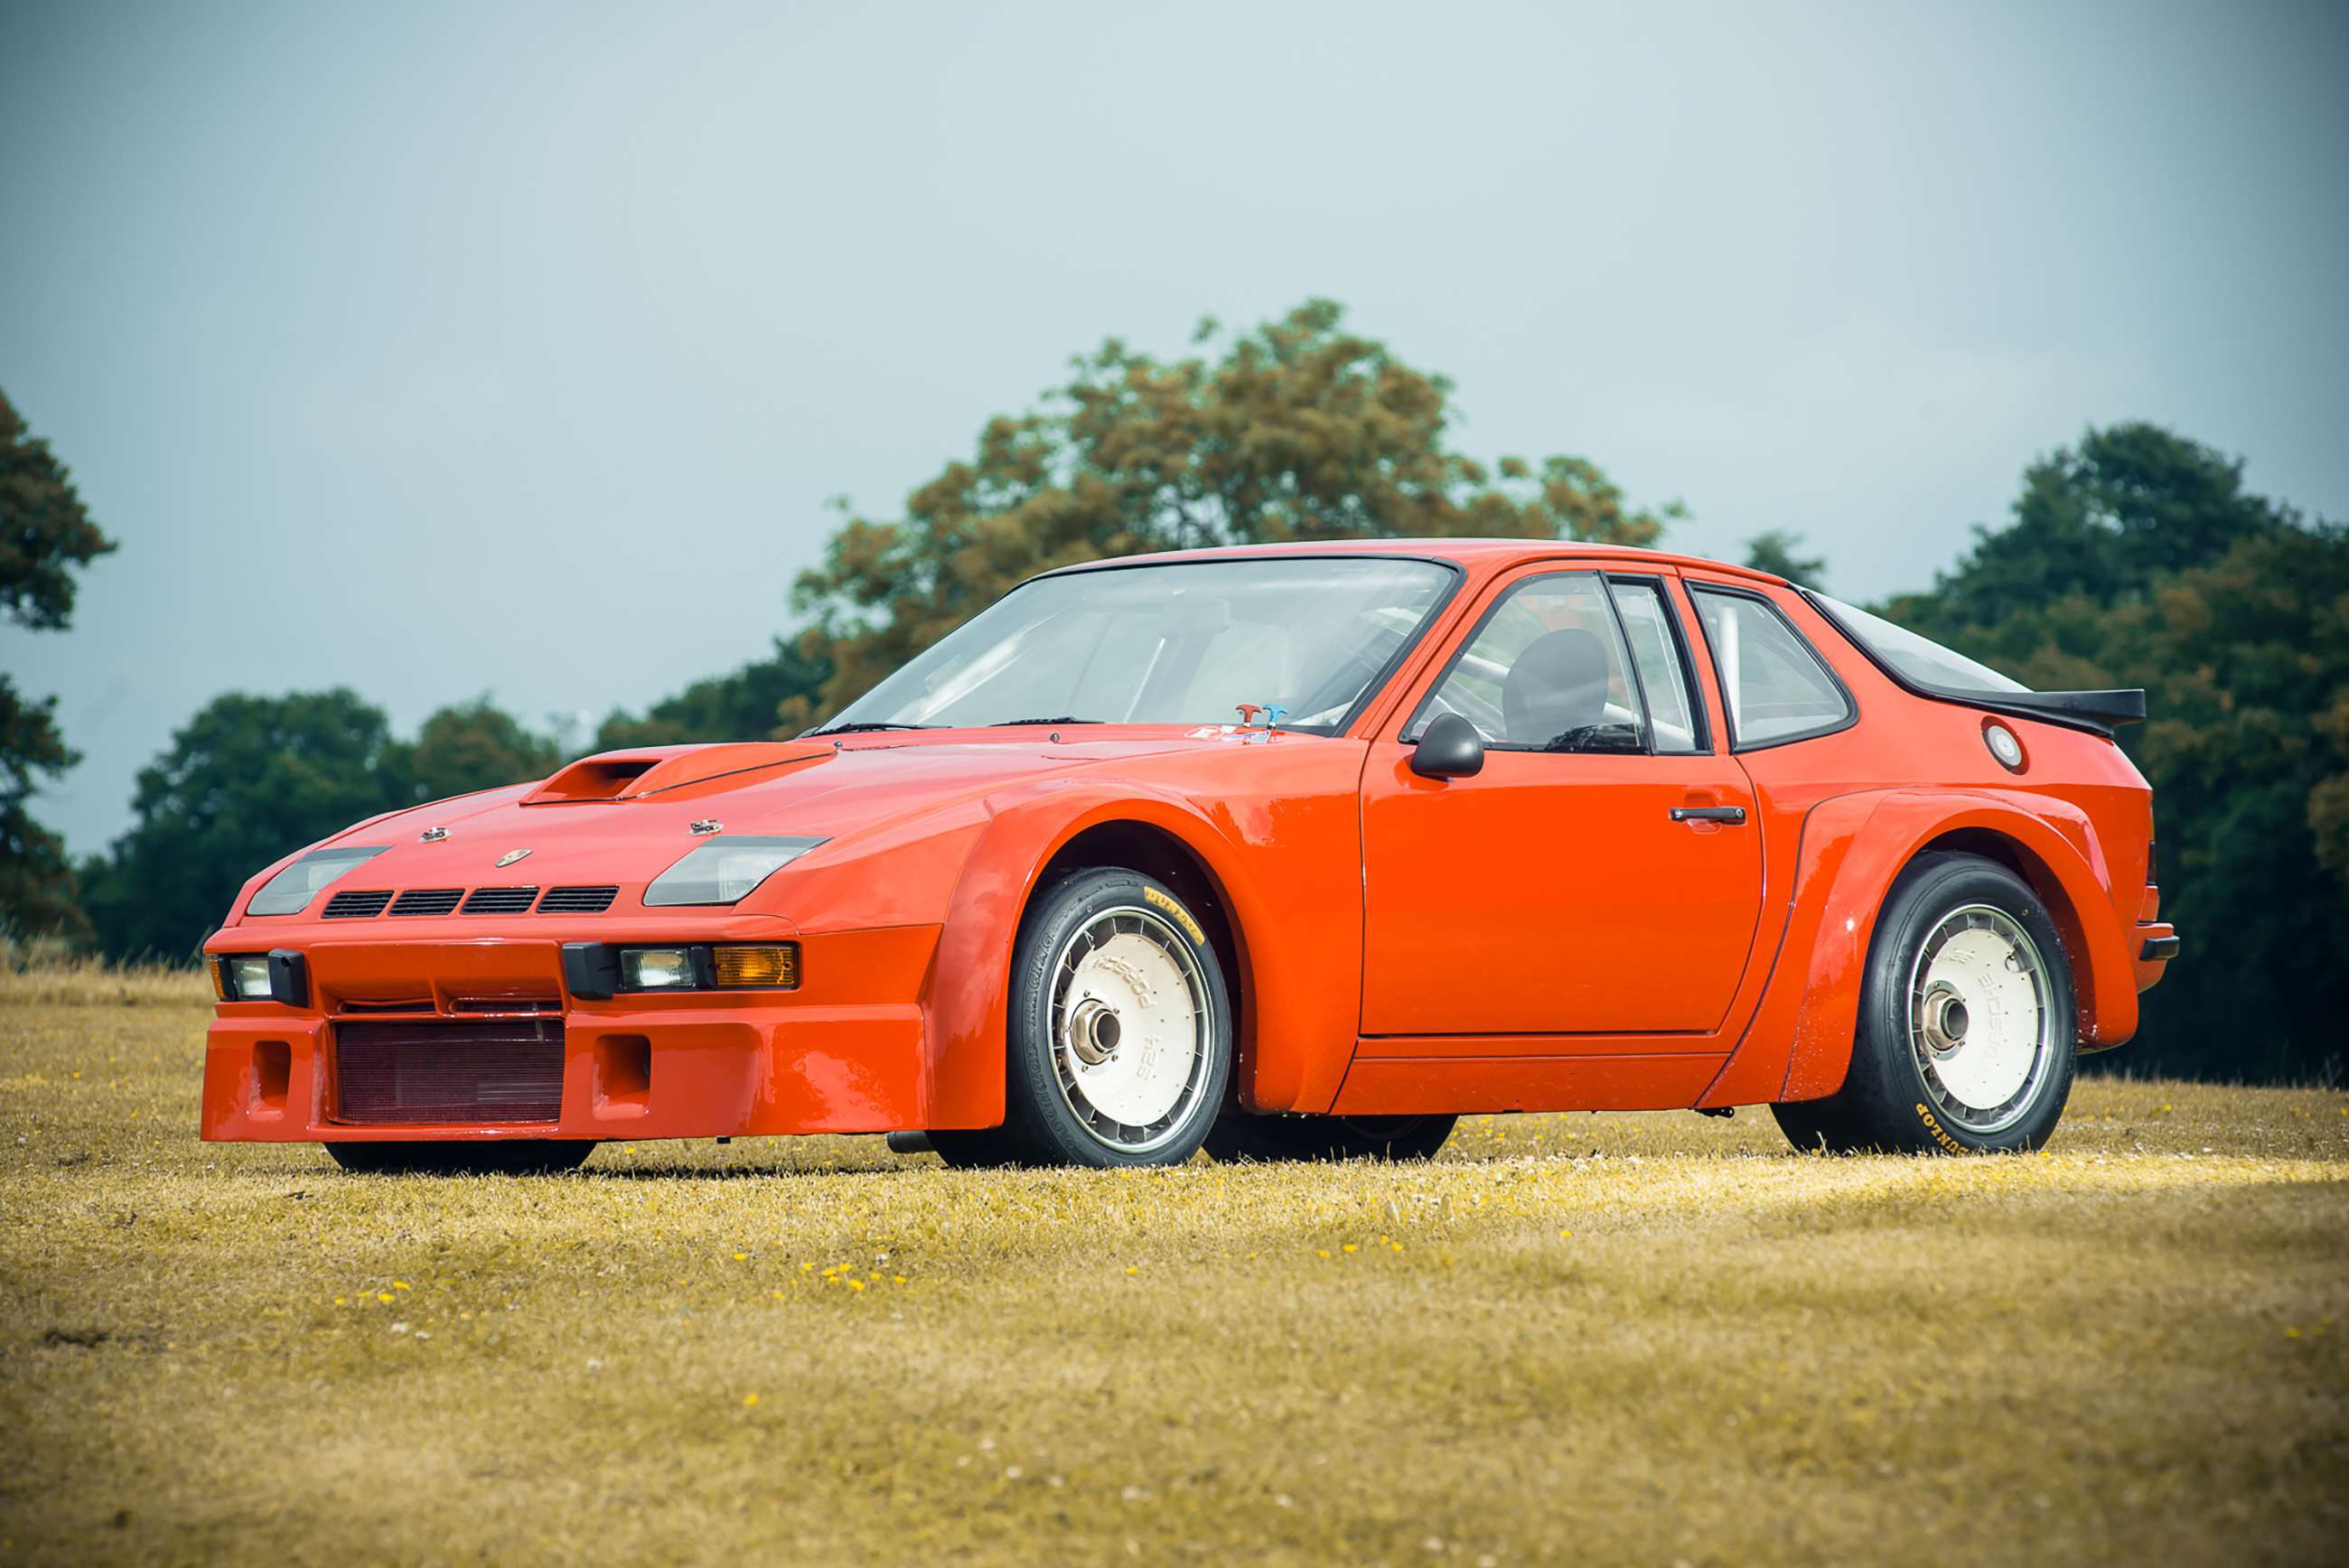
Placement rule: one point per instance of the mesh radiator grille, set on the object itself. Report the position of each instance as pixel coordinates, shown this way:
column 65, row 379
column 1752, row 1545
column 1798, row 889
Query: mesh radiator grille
column 392, row 1074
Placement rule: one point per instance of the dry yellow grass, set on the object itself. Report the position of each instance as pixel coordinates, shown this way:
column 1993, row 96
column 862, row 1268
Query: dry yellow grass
column 1652, row 1338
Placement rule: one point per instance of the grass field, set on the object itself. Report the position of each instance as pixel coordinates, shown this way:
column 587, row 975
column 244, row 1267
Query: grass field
column 1620, row 1338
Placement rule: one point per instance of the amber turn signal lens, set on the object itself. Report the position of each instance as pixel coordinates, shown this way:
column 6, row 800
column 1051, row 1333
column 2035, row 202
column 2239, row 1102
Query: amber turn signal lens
column 217, row 967
column 775, row 968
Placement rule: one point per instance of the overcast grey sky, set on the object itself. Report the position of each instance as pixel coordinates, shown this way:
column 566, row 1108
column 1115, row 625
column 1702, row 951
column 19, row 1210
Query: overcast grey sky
column 514, row 348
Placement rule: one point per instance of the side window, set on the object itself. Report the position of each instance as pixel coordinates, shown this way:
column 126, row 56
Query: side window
column 1546, row 671
column 1776, row 686
column 1673, row 714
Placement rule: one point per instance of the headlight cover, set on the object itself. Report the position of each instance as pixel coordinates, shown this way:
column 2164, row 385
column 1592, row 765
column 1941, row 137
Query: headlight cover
column 291, row 890
column 725, row 869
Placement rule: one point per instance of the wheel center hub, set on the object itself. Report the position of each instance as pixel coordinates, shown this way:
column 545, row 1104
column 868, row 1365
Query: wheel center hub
column 1093, row 1031
column 1945, row 1018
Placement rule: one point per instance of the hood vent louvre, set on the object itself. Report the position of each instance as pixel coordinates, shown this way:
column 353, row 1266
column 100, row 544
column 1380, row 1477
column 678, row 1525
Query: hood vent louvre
column 577, row 900
column 357, row 905
column 501, row 900
column 426, row 901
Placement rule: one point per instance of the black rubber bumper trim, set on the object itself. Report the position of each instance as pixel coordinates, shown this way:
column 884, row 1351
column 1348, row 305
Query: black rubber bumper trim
column 2159, row 947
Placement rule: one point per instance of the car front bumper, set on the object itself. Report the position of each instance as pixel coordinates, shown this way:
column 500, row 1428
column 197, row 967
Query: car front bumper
column 846, row 1051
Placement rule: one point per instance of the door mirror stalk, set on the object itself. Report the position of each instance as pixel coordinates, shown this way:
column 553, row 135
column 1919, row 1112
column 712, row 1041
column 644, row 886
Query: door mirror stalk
column 1449, row 748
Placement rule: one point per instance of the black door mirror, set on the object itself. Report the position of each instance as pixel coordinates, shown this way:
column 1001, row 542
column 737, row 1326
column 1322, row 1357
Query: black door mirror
column 1449, row 748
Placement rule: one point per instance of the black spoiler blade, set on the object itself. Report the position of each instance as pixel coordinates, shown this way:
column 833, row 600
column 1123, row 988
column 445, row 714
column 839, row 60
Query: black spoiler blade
column 2101, row 712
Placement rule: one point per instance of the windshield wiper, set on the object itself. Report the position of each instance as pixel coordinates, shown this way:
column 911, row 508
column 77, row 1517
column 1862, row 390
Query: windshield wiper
column 865, row 727
column 1064, row 718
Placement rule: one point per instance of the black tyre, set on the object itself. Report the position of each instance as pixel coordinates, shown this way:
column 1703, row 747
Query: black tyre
column 1266, row 1139
column 1121, row 1028
column 1967, row 1032
column 503, row 1157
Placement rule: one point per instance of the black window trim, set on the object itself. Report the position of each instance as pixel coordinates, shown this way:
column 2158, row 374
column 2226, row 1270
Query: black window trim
column 1738, row 746
column 1699, row 721
column 1378, row 685
column 1509, row 588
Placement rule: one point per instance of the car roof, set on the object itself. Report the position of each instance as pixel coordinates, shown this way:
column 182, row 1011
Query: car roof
column 1488, row 553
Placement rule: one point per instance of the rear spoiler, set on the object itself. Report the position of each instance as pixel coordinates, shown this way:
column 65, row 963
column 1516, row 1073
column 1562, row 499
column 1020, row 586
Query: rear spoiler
column 2098, row 712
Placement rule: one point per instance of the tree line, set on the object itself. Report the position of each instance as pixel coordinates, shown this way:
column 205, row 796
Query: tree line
column 2135, row 557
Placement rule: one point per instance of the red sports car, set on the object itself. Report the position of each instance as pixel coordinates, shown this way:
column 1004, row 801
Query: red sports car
column 1287, row 852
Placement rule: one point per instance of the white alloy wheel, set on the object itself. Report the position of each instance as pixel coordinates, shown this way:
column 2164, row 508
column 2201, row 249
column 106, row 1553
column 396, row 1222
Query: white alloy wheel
column 1132, row 1021
column 1978, row 1018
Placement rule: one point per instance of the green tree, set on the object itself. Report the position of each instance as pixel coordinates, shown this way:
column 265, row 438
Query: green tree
column 1775, row 551
column 45, row 535
column 2140, row 560
column 1297, row 430
column 745, row 704
column 251, row 779
column 475, row 746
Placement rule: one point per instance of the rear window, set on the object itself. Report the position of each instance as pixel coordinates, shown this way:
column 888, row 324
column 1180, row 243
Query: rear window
column 1914, row 659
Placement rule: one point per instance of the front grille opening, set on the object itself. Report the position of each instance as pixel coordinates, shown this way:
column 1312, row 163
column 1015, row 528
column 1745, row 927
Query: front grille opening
column 577, row 900
column 483, row 1073
column 500, row 900
column 426, row 901
column 398, row 1004
column 527, row 1004
column 357, row 905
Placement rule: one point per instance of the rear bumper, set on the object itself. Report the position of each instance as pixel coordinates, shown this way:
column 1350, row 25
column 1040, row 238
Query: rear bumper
column 2156, row 944
column 846, row 1052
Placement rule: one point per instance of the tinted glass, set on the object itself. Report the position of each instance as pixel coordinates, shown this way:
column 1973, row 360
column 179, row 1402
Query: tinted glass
column 1776, row 686
column 1186, row 642
column 1915, row 658
column 1546, row 672
column 1664, row 679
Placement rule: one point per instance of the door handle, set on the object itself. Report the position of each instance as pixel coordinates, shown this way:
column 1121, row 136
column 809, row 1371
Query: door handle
column 1728, row 816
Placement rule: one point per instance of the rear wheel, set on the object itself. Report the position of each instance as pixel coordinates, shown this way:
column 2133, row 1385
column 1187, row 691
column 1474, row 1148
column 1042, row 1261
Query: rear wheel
column 1121, row 1029
column 1967, row 1028
column 1266, row 1139
column 503, row 1157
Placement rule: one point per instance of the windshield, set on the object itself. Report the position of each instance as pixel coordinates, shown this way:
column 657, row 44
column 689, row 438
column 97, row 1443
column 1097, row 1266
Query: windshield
column 1912, row 657
column 1186, row 642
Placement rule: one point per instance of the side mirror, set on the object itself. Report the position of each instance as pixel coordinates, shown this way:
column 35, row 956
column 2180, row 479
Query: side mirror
column 1449, row 748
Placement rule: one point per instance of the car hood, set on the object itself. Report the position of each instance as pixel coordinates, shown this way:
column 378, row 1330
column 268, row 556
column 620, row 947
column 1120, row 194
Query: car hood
column 623, row 818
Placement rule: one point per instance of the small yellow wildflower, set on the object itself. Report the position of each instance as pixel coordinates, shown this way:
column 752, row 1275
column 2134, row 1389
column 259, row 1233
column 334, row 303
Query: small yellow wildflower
column 749, row 1400
column 383, row 1295
column 338, row 1301
column 855, row 1284
column 741, row 1257
column 1134, row 1268
column 1351, row 1248
column 401, row 1284
column 900, row 1279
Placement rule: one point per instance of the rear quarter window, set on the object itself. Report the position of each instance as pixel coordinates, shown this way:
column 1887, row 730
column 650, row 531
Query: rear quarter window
column 1776, row 687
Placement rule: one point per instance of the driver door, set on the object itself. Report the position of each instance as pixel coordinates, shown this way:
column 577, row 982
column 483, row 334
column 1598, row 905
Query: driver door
column 1564, row 889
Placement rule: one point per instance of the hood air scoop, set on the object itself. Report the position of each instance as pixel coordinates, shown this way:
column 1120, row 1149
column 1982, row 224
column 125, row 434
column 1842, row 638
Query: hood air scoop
column 658, row 769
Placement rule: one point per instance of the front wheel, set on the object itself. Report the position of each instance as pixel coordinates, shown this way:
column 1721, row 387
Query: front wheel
column 1120, row 1027
column 1266, row 1139
column 500, row 1157
column 1967, row 1028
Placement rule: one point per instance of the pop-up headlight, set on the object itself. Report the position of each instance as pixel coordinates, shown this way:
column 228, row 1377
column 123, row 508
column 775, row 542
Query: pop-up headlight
column 291, row 890
column 724, row 870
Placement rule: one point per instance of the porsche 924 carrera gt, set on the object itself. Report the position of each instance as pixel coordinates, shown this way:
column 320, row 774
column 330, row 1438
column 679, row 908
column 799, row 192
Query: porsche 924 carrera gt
column 1288, row 852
